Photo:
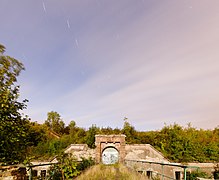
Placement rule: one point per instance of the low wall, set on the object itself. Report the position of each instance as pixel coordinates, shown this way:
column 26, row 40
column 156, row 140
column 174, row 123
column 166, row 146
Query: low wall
column 13, row 172
column 80, row 150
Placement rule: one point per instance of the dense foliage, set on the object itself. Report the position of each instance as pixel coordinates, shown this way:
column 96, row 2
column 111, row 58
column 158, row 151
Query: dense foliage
column 54, row 122
column 14, row 129
column 177, row 143
column 194, row 174
column 181, row 144
column 68, row 168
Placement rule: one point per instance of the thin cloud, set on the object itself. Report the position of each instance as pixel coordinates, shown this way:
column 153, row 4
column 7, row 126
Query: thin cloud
column 97, row 62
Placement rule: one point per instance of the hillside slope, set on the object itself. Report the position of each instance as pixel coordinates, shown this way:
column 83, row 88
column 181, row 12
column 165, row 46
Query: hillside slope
column 109, row 172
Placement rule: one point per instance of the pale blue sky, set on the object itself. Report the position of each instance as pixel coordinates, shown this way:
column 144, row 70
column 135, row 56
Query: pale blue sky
column 98, row 61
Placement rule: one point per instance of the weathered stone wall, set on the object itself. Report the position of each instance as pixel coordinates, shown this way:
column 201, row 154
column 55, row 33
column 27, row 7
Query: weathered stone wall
column 204, row 167
column 80, row 150
column 40, row 167
column 154, row 170
column 12, row 173
column 134, row 151
column 104, row 141
column 144, row 152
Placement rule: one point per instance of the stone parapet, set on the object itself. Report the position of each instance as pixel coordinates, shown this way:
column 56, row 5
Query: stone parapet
column 143, row 152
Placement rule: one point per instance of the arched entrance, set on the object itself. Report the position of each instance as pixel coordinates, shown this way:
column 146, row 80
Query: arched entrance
column 110, row 155
column 110, row 148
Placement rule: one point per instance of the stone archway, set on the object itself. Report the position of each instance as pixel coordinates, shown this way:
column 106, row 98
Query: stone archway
column 110, row 155
column 103, row 142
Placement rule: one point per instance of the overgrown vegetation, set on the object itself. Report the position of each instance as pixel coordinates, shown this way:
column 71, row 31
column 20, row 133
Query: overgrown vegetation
column 177, row 143
column 109, row 172
column 68, row 168
column 194, row 174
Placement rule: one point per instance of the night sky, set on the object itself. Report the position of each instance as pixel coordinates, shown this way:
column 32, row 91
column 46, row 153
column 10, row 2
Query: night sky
column 98, row 61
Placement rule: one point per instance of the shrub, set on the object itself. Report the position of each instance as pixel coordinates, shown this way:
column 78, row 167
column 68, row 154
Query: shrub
column 68, row 167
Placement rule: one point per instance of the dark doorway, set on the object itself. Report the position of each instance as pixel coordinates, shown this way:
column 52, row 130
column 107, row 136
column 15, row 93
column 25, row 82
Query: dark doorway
column 177, row 175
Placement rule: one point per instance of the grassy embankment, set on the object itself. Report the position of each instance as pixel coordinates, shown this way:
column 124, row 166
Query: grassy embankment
column 109, row 172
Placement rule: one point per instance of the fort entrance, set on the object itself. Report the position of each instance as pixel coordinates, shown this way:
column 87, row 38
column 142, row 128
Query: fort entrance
column 110, row 149
column 110, row 155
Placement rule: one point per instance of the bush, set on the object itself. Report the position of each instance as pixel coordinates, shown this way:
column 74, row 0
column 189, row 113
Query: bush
column 194, row 174
column 68, row 167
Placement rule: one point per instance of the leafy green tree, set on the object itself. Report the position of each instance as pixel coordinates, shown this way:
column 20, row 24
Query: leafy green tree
column 72, row 127
column 37, row 133
column 54, row 122
column 90, row 137
column 184, row 144
column 13, row 126
column 129, row 131
column 77, row 134
column 108, row 130
column 68, row 167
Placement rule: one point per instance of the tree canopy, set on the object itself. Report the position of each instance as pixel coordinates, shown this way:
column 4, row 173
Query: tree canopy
column 177, row 143
column 54, row 122
column 13, row 126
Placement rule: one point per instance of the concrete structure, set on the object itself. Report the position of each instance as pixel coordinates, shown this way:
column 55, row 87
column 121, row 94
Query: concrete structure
column 143, row 152
column 125, row 151
column 141, row 157
column 103, row 142
column 80, row 150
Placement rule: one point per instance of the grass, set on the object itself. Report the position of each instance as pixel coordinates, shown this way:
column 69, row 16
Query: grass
column 110, row 172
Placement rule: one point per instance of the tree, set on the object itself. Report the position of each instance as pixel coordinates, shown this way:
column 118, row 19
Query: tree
column 54, row 122
column 37, row 133
column 76, row 134
column 129, row 131
column 90, row 137
column 68, row 167
column 72, row 127
column 13, row 126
